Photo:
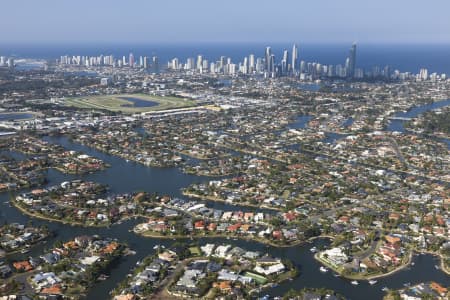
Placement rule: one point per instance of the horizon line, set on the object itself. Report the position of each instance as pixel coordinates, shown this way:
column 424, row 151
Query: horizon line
column 268, row 43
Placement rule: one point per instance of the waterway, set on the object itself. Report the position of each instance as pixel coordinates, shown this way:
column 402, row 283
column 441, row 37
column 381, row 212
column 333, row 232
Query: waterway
column 15, row 116
column 125, row 176
column 137, row 102
column 397, row 125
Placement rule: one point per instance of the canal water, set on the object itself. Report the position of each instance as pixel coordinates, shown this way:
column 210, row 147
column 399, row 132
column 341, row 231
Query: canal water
column 137, row 102
column 15, row 116
column 397, row 125
column 125, row 176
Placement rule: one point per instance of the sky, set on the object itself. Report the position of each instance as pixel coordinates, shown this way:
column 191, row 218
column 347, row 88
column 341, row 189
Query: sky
column 213, row 21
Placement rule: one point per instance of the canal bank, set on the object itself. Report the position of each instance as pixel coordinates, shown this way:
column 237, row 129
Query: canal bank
column 125, row 176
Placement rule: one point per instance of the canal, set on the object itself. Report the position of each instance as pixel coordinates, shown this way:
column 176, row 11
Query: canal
column 125, row 176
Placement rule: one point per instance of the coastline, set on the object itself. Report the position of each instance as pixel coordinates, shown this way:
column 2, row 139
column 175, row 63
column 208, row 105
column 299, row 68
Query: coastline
column 156, row 235
column 50, row 219
column 374, row 276
column 211, row 198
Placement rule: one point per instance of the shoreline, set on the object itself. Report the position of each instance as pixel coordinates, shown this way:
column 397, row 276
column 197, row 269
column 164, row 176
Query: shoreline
column 155, row 235
column 50, row 219
column 211, row 198
column 412, row 253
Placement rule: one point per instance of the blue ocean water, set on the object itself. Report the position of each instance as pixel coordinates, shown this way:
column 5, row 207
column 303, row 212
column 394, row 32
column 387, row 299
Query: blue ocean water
column 404, row 57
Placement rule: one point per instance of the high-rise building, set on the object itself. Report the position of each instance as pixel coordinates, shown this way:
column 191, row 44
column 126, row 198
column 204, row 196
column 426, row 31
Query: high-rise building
column 285, row 63
column 294, row 63
column 302, row 66
column 267, row 56
column 351, row 62
column 199, row 62
column 131, row 60
column 155, row 64
column 222, row 62
column 423, row 74
column 175, row 64
column 11, row 62
column 259, row 67
column 245, row 66
column 205, row 65
column 251, row 63
column 190, row 63
column 271, row 68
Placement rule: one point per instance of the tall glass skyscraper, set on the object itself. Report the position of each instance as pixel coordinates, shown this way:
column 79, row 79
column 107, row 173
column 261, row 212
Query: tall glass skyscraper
column 294, row 64
column 267, row 58
column 352, row 62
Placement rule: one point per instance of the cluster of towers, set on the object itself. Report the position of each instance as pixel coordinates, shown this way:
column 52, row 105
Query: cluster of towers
column 289, row 65
column 144, row 62
column 6, row 62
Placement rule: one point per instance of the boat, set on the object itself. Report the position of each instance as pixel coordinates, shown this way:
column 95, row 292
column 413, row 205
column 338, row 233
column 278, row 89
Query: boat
column 385, row 289
column 23, row 251
column 323, row 269
column 372, row 282
column 155, row 247
column 313, row 249
column 407, row 284
column 103, row 277
column 336, row 275
column 436, row 267
column 413, row 263
column 354, row 282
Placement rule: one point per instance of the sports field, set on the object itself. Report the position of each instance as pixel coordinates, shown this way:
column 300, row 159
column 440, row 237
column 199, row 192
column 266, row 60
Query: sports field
column 129, row 103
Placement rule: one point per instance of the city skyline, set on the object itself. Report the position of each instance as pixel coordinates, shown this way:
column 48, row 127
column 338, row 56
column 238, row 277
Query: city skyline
column 202, row 21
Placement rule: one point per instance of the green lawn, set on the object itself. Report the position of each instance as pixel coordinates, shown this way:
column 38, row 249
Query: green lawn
column 195, row 251
column 118, row 103
column 258, row 278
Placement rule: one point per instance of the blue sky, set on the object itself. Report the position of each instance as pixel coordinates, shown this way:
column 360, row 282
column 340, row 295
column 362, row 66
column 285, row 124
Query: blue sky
column 173, row 21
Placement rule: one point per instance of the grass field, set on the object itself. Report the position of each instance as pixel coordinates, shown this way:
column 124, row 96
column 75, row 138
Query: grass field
column 195, row 251
column 119, row 103
column 258, row 278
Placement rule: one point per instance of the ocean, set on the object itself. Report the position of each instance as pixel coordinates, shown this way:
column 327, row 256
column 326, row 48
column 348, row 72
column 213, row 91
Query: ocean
column 406, row 58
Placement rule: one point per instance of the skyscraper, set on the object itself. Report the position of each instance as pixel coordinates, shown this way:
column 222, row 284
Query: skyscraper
column 272, row 63
column 199, row 62
column 351, row 62
column 294, row 64
column 131, row 60
column 251, row 63
column 285, row 62
column 267, row 58
column 155, row 64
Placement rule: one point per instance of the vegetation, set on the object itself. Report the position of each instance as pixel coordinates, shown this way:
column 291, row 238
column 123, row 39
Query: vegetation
column 120, row 103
